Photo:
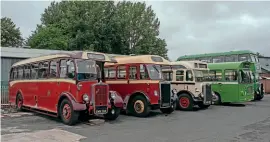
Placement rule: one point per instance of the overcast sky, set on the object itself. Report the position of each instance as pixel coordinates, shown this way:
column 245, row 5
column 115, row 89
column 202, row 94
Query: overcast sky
column 188, row 27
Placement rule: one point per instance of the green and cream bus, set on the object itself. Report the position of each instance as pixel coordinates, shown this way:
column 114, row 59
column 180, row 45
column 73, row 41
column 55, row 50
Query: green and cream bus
column 232, row 82
column 233, row 56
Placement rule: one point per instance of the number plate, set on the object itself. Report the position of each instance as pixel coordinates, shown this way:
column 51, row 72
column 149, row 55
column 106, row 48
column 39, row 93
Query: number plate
column 101, row 109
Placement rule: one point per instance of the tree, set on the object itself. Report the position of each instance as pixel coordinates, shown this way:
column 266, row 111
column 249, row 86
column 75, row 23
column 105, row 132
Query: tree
column 10, row 35
column 48, row 38
column 102, row 26
column 139, row 28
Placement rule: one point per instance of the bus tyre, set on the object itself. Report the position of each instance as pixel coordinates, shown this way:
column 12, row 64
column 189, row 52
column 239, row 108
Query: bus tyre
column 168, row 110
column 259, row 97
column 113, row 113
column 203, row 106
column 19, row 102
column 185, row 102
column 139, row 106
column 217, row 101
column 67, row 114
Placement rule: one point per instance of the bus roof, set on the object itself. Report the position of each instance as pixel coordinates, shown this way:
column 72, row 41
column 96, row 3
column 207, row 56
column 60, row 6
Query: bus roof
column 216, row 54
column 152, row 59
column 189, row 64
column 228, row 65
column 75, row 54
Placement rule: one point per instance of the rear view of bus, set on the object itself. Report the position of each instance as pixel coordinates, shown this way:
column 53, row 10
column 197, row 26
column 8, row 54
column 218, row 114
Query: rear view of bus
column 232, row 82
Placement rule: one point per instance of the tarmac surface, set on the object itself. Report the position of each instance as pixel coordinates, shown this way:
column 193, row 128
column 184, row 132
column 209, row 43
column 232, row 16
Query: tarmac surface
column 248, row 122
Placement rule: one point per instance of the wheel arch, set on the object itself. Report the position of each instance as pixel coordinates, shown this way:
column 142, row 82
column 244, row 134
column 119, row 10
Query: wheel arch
column 137, row 93
column 19, row 92
column 76, row 106
column 185, row 92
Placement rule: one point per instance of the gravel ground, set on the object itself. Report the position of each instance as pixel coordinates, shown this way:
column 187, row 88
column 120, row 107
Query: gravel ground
column 249, row 122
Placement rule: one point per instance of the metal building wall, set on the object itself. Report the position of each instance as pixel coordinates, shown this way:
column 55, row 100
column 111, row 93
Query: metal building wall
column 6, row 64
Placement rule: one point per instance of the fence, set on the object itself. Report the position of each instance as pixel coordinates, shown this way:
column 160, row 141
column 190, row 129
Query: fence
column 266, row 84
column 4, row 93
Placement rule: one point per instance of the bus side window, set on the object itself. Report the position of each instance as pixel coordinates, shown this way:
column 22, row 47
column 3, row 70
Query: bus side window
column 133, row 72
column 27, row 72
column 180, row 75
column 121, row 72
column 167, row 76
column 34, row 70
column 70, row 69
column 215, row 75
column 15, row 73
column 230, row 75
column 189, row 75
column 143, row 73
column 43, row 70
column 20, row 73
column 111, row 73
column 63, row 68
column 53, row 69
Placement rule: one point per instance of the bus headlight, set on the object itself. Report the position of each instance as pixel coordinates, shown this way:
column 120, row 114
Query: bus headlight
column 113, row 96
column 197, row 90
column 155, row 93
column 85, row 98
column 174, row 91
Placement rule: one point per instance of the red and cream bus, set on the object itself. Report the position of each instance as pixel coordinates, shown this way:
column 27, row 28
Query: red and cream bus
column 64, row 85
column 139, row 81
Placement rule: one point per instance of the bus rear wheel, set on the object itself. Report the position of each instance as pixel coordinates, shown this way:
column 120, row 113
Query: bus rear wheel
column 19, row 102
column 67, row 114
column 139, row 106
column 185, row 102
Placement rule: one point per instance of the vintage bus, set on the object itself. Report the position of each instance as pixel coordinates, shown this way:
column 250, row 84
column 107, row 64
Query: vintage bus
column 188, row 80
column 231, row 82
column 139, row 81
column 64, row 85
column 233, row 56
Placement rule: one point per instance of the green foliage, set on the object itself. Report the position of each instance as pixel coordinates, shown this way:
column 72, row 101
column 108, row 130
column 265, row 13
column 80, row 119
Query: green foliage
column 10, row 35
column 48, row 38
column 103, row 26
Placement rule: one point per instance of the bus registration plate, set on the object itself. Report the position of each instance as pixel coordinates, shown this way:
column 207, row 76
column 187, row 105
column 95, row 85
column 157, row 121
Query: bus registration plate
column 101, row 109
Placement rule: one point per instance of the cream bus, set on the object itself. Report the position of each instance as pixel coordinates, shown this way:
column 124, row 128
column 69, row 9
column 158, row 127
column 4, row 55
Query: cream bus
column 188, row 81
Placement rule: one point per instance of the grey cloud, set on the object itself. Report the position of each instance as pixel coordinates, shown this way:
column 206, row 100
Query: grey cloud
column 200, row 27
column 25, row 14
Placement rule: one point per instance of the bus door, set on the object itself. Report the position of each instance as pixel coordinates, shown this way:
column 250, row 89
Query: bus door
column 190, row 84
column 230, row 87
column 215, row 76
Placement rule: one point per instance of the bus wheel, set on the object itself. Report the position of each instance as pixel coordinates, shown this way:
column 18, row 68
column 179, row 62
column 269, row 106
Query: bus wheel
column 112, row 114
column 169, row 110
column 67, row 114
column 140, row 107
column 185, row 102
column 258, row 97
column 217, row 100
column 19, row 102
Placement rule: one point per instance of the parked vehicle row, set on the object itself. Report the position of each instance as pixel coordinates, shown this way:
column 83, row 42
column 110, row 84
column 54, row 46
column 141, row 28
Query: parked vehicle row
column 81, row 84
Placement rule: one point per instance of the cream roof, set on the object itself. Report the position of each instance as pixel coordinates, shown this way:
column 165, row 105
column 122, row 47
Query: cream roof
column 138, row 59
column 187, row 64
